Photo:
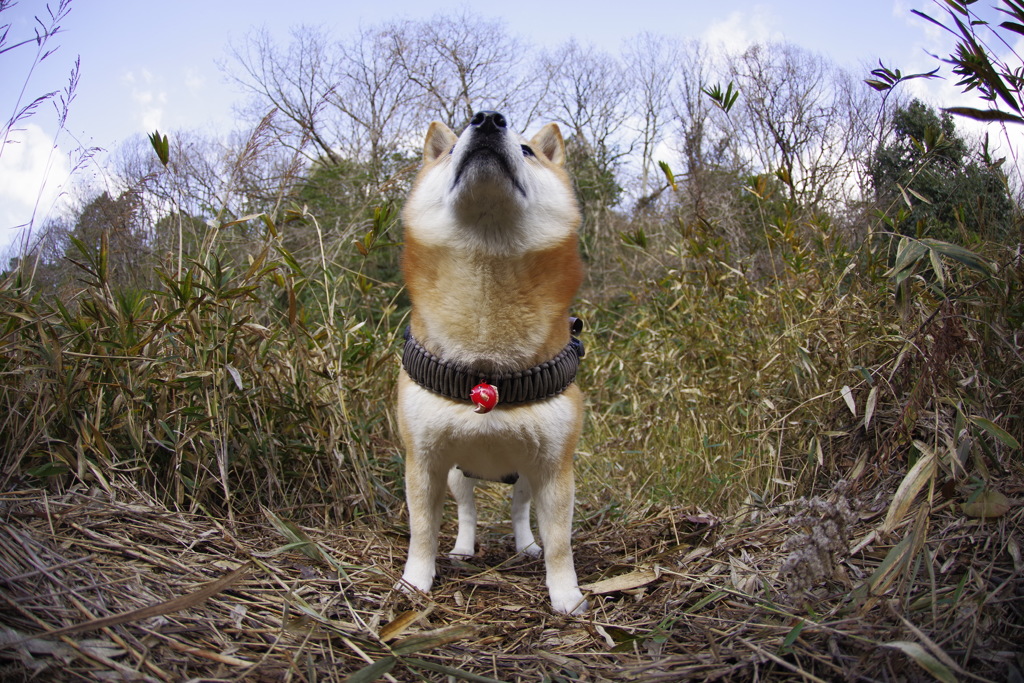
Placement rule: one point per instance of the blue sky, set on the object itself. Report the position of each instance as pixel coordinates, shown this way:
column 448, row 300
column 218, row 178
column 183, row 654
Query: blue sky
column 154, row 65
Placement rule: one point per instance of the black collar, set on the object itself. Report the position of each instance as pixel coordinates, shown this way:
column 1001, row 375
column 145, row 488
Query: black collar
column 455, row 380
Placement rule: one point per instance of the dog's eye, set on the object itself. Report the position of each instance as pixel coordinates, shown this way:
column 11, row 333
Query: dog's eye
column 527, row 152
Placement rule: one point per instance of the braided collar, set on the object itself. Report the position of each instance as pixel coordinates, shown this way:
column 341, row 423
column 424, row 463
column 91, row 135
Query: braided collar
column 455, row 380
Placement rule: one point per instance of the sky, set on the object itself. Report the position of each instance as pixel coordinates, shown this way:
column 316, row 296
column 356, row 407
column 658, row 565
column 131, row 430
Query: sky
column 146, row 66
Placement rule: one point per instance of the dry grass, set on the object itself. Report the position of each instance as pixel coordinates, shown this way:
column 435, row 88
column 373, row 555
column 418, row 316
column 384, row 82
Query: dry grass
column 118, row 562
column 161, row 447
column 119, row 587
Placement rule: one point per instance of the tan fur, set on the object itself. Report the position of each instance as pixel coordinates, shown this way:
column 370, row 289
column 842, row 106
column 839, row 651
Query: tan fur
column 507, row 295
column 491, row 271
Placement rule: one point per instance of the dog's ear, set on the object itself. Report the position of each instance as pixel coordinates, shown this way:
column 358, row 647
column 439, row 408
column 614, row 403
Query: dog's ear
column 440, row 140
column 548, row 141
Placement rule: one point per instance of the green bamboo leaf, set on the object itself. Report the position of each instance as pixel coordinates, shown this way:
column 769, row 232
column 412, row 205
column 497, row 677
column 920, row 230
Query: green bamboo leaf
column 287, row 548
column 104, row 257
column 296, row 537
column 725, row 99
column 959, row 254
column 706, row 600
column 887, row 571
column 959, row 5
column 908, row 253
column 1013, row 26
column 161, row 146
column 290, row 259
column 448, row 670
column 934, row 21
column 269, row 223
column 996, row 431
column 926, row 661
column 794, row 633
column 940, row 272
column 373, row 671
column 49, row 469
column 669, row 176
column 624, row 640
column 987, row 115
column 887, row 75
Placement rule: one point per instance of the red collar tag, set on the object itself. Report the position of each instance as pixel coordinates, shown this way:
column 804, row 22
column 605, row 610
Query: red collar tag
column 485, row 396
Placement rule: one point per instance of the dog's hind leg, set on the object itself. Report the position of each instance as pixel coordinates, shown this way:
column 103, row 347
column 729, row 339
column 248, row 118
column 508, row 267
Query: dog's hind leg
column 521, row 496
column 462, row 488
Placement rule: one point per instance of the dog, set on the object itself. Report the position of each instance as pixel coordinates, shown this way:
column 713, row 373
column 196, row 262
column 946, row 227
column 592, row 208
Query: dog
column 491, row 264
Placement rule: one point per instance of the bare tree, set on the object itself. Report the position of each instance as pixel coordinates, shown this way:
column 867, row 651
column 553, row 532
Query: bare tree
column 588, row 96
column 461, row 64
column 704, row 138
column 357, row 100
column 802, row 118
column 207, row 181
column 651, row 67
column 299, row 81
column 375, row 94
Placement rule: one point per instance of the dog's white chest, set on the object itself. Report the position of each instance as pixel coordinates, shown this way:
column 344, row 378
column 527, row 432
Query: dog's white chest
column 492, row 445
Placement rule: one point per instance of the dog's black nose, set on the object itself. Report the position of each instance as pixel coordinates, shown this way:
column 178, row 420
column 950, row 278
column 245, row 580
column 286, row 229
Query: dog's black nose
column 489, row 121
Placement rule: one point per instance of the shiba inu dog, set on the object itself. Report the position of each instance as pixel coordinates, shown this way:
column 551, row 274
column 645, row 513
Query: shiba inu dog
column 491, row 263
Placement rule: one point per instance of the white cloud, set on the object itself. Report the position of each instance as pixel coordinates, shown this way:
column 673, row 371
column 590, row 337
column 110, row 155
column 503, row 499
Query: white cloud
column 194, row 80
column 150, row 98
column 902, row 10
column 32, row 173
column 741, row 29
column 152, row 115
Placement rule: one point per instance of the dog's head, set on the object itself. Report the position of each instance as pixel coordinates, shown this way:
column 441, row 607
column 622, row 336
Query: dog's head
column 491, row 188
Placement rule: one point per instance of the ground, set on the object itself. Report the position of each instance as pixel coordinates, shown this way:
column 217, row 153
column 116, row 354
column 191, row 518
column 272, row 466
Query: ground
column 111, row 585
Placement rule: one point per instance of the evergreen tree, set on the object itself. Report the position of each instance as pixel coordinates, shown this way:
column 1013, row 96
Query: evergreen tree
column 954, row 193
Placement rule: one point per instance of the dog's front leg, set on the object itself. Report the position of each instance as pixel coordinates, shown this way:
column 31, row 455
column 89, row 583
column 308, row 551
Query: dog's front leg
column 424, row 491
column 553, row 496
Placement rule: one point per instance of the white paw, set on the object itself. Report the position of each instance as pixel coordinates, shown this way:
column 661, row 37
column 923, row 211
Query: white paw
column 461, row 553
column 568, row 601
column 416, row 577
column 408, row 587
column 532, row 550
